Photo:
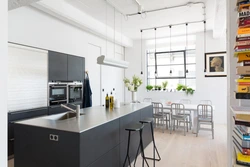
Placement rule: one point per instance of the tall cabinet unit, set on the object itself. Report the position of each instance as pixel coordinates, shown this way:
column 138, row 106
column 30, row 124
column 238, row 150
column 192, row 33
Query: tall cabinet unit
column 239, row 83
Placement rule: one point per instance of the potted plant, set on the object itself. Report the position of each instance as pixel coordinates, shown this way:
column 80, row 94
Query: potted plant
column 164, row 85
column 155, row 87
column 149, row 87
column 184, row 88
column 159, row 87
column 133, row 86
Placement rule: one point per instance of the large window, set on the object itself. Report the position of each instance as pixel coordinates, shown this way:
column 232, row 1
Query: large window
column 176, row 67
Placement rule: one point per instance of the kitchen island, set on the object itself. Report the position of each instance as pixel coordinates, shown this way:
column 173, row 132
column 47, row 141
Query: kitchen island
column 96, row 139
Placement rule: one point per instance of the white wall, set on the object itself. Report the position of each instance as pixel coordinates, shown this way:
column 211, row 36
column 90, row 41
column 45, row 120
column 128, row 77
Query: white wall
column 31, row 27
column 3, row 83
column 214, row 89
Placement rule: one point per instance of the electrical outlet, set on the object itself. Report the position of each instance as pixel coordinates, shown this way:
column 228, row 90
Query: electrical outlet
column 53, row 137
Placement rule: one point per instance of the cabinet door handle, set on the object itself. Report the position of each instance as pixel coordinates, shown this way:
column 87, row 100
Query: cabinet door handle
column 11, row 139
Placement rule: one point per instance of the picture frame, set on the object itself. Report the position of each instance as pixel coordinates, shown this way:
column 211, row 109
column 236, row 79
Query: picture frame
column 216, row 64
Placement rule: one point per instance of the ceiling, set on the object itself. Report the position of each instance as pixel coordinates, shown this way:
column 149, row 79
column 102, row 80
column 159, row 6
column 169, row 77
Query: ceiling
column 131, row 26
column 13, row 4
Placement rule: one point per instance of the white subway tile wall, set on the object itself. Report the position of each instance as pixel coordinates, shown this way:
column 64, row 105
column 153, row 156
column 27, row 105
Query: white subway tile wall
column 27, row 78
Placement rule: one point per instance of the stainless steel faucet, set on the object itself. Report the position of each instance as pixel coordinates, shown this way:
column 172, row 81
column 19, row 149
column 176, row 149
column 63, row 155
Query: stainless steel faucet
column 77, row 111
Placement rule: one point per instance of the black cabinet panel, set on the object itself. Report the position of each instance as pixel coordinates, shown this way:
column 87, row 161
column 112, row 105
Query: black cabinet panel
column 34, row 148
column 21, row 115
column 98, row 141
column 57, row 110
column 108, row 160
column 58, row 66
column 75, row 68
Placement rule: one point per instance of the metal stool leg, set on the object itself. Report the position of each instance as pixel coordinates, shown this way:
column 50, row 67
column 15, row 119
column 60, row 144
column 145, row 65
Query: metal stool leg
column 142, row 150
column 127, row 155
column 154, row 147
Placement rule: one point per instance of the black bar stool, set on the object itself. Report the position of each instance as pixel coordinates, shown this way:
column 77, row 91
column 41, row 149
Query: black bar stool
column 130, row 128
column 150, row 121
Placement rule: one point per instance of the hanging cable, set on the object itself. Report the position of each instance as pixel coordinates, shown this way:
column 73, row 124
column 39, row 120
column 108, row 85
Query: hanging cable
column 114, row 32
column 106, row 16
column 205, row 39
column 186, row 45
column 155, row 57
column 170, row 48
column 141, row 55
column 121, row 36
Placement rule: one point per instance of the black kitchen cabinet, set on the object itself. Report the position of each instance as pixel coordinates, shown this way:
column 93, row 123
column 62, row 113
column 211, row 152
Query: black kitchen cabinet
column 56, row 110
column 18, row 116
column 75, row 68
column 58, row 66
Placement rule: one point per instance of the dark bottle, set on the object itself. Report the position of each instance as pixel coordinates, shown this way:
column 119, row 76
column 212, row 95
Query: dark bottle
column 111, row 102
column 107, row 101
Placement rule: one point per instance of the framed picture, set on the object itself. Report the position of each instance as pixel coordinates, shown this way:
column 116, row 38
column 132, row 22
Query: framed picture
column 216, row 64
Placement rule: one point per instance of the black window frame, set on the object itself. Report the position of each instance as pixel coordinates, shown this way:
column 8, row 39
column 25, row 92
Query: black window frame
column 169, row 78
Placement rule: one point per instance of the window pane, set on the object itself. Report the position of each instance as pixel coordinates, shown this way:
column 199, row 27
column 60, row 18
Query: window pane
column 191, row 71
column 151, row 82
column 191, row 56
column 170, row 59
column 165, row 71
column 151, row 59
column 191, row 83
column 163, row 59
column 151, row 72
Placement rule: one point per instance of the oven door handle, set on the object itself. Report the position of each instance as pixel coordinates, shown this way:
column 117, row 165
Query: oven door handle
column 58, row 86
column 57, row 101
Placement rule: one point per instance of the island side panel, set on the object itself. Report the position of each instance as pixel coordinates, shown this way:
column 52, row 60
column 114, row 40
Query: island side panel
column 33, row 147
column 147, row 136
column 98, row 141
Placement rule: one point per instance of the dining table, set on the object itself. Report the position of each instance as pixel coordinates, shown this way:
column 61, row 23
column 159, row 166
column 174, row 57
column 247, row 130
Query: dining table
column 188, row 107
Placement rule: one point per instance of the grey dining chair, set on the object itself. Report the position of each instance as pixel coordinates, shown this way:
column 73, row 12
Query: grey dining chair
column 178, row 114
column 159, row 115
column 147, row 100
column 209, row 102
column 188, row 112
column 205, row 116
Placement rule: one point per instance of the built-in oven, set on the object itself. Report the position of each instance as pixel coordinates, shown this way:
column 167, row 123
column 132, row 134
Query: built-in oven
column 75, row 93
column 58, row 94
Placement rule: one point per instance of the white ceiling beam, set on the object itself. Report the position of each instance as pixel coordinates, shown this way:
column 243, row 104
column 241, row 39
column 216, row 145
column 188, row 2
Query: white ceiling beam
column 71, row 15
column 219, row 19
column 13, row 4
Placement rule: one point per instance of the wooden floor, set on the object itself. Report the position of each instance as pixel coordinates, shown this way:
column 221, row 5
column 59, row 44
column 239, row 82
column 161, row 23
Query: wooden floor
column 177, row 150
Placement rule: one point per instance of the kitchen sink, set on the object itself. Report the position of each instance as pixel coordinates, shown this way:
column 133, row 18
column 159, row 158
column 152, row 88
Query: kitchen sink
column 63, row 116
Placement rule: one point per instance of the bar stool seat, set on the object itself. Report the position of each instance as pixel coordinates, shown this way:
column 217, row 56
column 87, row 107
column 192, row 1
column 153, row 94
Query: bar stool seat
column 130, row 128
column 147, row 120
column 134, row 127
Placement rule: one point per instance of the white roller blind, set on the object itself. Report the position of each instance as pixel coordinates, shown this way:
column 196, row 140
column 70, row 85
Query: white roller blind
column 27, row 78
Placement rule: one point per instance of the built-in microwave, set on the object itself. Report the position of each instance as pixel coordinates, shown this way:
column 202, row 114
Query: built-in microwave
column 58, row 94
column 75, row 92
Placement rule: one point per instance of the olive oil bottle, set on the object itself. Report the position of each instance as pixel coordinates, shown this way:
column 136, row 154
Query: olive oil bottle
column 111, row 102
column 107, row 101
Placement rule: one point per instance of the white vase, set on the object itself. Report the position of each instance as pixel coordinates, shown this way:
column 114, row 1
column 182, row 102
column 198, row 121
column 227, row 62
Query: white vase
column 134, row 97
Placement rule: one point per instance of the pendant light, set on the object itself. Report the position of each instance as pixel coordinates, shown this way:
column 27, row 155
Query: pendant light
column 141, row 55
column 104, row 60
column 170, row 48
column 186, row 42
column 155, row 57
column 205, row 40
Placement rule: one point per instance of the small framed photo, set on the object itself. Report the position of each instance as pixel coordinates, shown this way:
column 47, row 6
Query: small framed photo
column 216, row 64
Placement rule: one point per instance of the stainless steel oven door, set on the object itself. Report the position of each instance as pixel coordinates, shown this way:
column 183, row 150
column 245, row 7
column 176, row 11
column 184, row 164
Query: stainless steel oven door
column 75, row 93
column 57, row 94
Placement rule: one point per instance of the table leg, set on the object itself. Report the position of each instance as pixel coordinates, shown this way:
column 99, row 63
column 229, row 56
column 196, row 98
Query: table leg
column 194, row 122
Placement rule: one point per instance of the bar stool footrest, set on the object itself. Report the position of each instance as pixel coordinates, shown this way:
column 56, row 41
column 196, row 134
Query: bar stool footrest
column 153, row 158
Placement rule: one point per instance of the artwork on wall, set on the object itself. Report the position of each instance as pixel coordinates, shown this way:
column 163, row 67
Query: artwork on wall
column 215, row 64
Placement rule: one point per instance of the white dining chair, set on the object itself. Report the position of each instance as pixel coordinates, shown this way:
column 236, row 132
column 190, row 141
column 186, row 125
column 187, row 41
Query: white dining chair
column 187, row 112
column 159, row 115
column 147, row 100
column 178, row 114
column 209, row 102
column 205, row 116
